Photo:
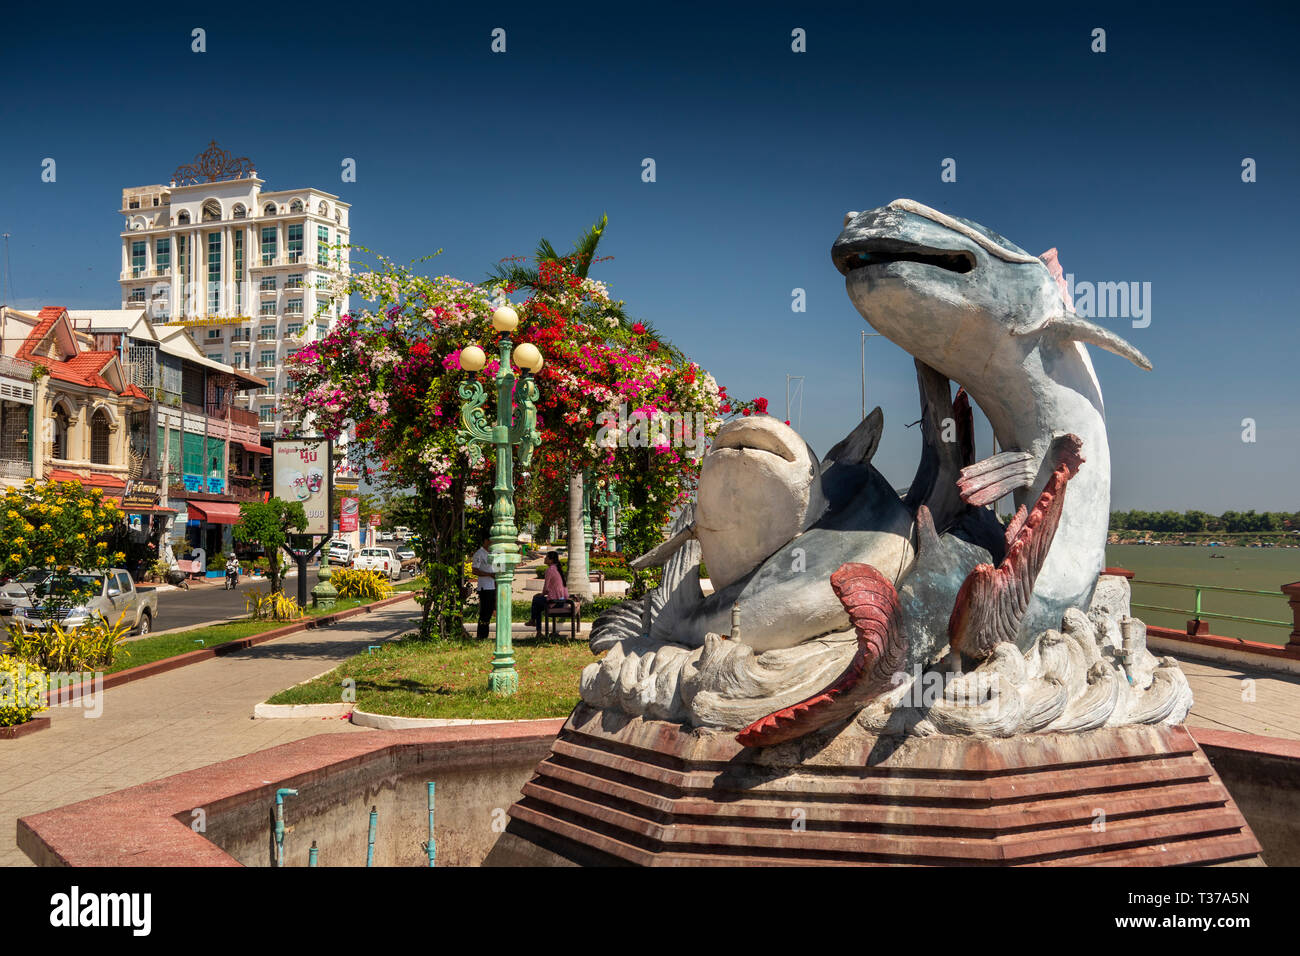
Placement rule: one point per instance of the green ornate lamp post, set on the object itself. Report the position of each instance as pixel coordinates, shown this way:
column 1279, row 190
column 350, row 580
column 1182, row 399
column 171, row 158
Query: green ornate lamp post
column 606, row 498
column 514, row 426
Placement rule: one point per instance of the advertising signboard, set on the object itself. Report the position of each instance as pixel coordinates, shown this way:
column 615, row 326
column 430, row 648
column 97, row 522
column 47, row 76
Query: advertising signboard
column 302, row 472
column 349, row 513
column 374, row 521
column 141, row 495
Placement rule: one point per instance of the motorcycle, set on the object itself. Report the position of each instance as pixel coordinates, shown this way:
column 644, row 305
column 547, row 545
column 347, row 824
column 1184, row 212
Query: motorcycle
column 232, row 580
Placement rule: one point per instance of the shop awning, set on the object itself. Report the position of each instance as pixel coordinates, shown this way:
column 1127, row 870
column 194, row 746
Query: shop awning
column 214, row 512
column 254, row 449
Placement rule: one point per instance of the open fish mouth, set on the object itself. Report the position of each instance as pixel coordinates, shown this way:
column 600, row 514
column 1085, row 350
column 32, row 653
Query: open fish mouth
column 854, row 254
column 756, row 434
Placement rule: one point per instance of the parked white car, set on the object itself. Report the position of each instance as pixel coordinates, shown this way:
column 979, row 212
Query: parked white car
column 383, row 560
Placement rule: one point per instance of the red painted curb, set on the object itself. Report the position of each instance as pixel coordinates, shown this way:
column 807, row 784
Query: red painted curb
column 22, row 730
column 231, row 647
column 1285, row 651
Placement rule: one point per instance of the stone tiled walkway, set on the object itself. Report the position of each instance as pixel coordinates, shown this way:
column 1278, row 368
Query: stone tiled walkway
column 201, row 714
column 177, row 721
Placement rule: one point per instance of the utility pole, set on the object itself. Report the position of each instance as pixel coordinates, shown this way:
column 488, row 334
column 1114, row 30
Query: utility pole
column 865, row 336
column 799, row 391
column 4, row 289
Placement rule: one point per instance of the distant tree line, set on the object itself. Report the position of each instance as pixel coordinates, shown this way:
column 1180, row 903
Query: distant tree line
column 1230, row 522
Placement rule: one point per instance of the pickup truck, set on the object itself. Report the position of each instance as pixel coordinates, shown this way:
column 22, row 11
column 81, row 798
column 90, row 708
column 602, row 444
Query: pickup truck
column 383, row 560
column 112, row 595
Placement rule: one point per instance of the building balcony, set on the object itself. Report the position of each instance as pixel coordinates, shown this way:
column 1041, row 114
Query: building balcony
column 271, row 291
column 244, row 487
column 15, row 468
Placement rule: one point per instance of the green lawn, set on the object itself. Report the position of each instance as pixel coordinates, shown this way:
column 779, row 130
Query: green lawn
column 412, row 678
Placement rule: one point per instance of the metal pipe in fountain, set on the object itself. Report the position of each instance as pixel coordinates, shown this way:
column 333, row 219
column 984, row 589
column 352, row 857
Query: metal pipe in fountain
column 370, row 846
column 430, row 845
column 279, row 822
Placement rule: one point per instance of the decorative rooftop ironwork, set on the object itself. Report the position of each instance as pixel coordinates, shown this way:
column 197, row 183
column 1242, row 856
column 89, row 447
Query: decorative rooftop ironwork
column 213, row 165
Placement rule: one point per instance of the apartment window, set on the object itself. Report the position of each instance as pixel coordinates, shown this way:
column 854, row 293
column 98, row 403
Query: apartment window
column 181, row 261
column 214, row 272
column 238, row 212
column 322, row 331
column 266, row 413
column 268, row 245
column 162, row 256
column 322, row 245
column 137, row 257
column 294, row 281
column 266, row 333
column 99, row 435
column 267, row 284
column 240, row 360
column 240, row 335
column 215, row 357
column 294, row 242
column 137, row 295
column 293, row 328
column 267, row 359
column 322, row 282
column 293, row 307
column 268, row 308
column 214, row 333
column 239, row 263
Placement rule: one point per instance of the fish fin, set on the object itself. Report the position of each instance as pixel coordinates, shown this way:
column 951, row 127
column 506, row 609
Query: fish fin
column 860, row 445
column 997, row 476
column 935, row 483
column 927, row 538
column 992, row 601
column 679, row 586
column 965, row 422
column 872, row 604
column 1078, row 329
column 1017, row 522
column 657, row 556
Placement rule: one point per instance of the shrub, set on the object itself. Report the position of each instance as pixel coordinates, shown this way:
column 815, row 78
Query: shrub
column 364, row 585
column 86, row 648
column 21, row 685
column 272, row 606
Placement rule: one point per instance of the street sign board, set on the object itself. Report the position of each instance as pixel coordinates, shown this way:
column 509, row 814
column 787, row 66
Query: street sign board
column 302, row 473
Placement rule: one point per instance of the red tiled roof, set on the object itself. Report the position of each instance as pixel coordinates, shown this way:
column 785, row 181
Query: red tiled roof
column 82, row 368
column 48, row 316
column 134, row 391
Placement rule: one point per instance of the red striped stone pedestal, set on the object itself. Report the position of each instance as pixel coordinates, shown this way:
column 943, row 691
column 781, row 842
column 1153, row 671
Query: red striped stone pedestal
column 620, row 790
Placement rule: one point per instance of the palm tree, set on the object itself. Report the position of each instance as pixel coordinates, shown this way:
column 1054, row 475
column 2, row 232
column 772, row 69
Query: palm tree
column 526, row 276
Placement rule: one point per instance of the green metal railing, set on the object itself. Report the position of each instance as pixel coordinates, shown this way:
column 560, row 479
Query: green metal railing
column 1199, row 613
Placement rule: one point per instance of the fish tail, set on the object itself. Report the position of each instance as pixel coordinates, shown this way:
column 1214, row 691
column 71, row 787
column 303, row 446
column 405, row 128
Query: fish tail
column 872, row 604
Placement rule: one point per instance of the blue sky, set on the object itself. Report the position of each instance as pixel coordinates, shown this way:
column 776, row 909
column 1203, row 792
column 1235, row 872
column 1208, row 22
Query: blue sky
column 1128, row 161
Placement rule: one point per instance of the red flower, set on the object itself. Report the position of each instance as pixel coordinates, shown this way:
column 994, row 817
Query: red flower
column 744, row 411
column 638, row 328
column 760, row 404
column 726, row 408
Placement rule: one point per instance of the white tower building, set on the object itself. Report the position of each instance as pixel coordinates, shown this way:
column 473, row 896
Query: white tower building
column 244, row 268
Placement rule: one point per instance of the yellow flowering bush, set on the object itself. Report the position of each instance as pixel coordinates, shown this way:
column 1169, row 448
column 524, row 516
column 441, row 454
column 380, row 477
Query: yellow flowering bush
column 366, row 585
column 56, row 525
column 90, row 647
column 21, row 685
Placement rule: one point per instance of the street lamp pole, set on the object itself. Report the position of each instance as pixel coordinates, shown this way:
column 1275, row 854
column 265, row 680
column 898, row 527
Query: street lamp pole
column 514, row 426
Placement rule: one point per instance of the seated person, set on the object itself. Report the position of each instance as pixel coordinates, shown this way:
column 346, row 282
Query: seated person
column 553, row 589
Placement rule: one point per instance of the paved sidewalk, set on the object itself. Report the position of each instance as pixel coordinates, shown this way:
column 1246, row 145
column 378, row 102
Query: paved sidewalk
column 172, row 722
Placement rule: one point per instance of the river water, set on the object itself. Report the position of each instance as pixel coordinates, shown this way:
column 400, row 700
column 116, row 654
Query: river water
column 1262, row 569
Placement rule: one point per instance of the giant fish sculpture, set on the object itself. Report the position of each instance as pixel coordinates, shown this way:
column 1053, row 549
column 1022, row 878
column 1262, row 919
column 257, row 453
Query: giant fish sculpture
column 838, row 584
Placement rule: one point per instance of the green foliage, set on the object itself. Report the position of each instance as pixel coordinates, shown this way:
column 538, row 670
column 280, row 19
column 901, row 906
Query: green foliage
column 1195, row 522
column 58, row 525
column 21, row 685
column 89, row 647
column 268, row 524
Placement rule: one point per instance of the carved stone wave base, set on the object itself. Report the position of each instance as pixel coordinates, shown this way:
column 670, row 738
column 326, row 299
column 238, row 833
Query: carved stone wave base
column 625, row 790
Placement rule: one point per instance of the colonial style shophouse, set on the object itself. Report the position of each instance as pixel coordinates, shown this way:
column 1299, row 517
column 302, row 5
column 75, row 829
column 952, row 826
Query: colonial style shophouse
column 140, row 413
